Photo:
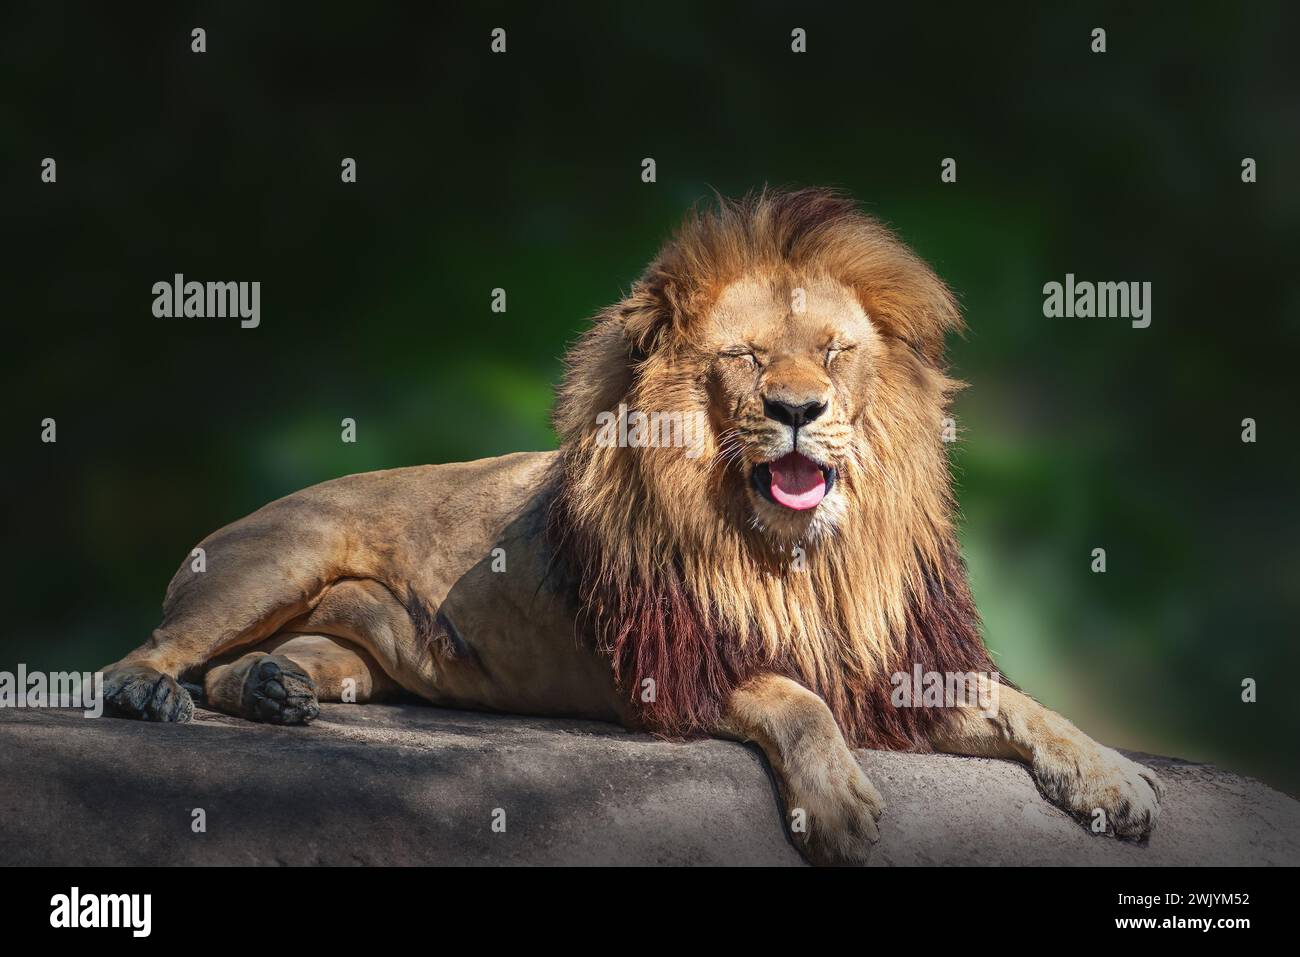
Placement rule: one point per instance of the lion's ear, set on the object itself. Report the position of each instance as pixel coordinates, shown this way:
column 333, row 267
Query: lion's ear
column 601, row 366
column 646, row 314
column 914, row 306
column 598, row 375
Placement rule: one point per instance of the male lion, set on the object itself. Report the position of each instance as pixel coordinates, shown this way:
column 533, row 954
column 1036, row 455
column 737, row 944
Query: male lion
column 764, row 586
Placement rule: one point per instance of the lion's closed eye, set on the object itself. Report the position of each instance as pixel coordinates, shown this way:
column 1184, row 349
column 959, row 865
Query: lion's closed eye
column 835, row 351
column 741, row 356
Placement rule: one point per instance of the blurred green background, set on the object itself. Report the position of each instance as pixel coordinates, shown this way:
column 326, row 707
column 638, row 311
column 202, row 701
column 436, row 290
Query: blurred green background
column 522, row 171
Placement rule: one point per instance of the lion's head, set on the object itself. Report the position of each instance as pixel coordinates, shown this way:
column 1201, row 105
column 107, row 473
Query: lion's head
column 803, row 522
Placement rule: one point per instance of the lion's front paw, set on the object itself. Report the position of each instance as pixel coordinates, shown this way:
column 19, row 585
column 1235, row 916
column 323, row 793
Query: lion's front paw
column 833, row 811
column 1101, row 788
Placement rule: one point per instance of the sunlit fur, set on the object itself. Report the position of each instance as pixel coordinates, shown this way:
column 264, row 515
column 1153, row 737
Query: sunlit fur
column 682, row 576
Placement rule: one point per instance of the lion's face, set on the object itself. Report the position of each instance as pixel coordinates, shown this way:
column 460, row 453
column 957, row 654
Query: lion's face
column 789, row 367
column 803, row 345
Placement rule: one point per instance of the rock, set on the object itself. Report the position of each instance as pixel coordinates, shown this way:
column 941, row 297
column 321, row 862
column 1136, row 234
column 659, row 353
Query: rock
column 408, row 784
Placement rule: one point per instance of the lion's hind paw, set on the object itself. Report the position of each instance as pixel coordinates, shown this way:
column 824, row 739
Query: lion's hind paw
column 135, row 691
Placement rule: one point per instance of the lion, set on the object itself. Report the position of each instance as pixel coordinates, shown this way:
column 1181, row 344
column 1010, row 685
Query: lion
column 768, row 584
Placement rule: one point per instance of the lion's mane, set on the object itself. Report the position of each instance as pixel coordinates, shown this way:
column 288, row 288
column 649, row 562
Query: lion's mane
column 672, row 580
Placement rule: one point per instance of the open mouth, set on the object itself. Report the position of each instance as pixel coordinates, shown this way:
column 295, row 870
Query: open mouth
column 793, row 481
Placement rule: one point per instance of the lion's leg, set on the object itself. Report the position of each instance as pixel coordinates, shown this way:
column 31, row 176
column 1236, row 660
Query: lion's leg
column 357, row 643
column 254, row 577
column 1073, row 771
column 370, row 619
column 284, row 678
column 832, row 806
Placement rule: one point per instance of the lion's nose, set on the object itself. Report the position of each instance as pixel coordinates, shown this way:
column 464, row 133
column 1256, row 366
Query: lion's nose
column 791, row 413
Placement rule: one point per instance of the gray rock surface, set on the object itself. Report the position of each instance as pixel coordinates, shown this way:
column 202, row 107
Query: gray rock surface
column 408, row 784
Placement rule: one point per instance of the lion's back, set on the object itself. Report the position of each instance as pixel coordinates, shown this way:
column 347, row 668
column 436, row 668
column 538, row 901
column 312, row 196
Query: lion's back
column 478, row 490
column 415, row 521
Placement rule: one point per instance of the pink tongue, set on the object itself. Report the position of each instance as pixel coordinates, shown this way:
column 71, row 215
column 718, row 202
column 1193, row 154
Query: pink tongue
column 797, row 482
